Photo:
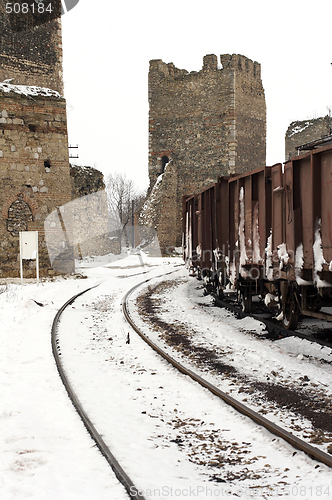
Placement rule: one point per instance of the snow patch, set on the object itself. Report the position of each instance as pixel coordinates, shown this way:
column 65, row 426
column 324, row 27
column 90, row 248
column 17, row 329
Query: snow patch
column 319, row 260
column 268, row 260
column 242, row 238
column 282, row 255
column 28, row 90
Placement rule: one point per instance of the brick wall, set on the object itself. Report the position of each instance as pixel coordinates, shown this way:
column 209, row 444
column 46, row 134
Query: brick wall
column 34, row 176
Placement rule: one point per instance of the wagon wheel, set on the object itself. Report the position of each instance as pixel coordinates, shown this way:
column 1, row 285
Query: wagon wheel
column 291, row 312
column 218, row 289
column 245, row 301
column 220, row 292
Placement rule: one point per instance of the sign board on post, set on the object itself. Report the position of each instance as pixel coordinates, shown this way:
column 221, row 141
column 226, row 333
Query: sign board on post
column 29, row 249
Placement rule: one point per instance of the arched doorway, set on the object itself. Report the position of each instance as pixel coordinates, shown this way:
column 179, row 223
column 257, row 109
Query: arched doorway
column 19, row 214
column 164, row 162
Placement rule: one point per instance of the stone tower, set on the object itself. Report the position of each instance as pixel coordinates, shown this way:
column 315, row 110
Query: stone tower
column 34, row 159
column 201, row 125
column 31, row 45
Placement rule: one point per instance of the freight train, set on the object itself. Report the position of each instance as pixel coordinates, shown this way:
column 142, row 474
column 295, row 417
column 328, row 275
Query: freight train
column 267, row 234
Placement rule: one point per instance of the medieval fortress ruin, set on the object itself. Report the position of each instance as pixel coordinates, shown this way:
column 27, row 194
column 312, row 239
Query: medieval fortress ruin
column 202, row 124
column 36, row 180
column 34, row 158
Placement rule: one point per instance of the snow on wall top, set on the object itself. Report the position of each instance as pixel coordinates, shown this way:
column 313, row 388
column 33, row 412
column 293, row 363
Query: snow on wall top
column 26, row 90
column 298, row 127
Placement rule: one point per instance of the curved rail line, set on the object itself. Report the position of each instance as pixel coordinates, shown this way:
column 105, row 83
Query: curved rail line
column 256, row 417
column 121, row 475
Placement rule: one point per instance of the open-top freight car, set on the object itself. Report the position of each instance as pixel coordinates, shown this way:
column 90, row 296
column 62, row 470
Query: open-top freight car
column 267, row 233
column 205, row 232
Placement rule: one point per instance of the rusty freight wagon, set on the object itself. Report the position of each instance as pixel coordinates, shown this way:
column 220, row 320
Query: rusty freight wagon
column 205, row 233
column 268, row 233
column 249, row 229
column 302, row 234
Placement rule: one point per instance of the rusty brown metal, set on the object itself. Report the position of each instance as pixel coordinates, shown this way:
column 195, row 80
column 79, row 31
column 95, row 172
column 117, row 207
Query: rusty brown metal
column 190, row 229
column 287, row 208
column 307, row 204
column 250, row 214
column 277, row 188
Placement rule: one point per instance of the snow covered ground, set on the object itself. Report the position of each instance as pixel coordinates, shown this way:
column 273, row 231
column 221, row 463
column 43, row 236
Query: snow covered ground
column 296, row 364
column 156, row 422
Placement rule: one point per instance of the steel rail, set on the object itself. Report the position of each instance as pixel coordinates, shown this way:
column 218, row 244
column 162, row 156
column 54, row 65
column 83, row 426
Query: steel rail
column 296, row 442
column 120, row 474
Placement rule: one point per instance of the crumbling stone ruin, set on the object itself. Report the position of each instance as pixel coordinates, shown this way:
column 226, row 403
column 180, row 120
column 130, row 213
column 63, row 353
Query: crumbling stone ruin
column 305, row 131
column 201, row 125
column 85, row 181
column 89, row 213
column 34, row 159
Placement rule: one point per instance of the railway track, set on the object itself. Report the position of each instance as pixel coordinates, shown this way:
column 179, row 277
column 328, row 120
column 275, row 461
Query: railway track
column 296, row 442
column 97, row 437
column 119, row 472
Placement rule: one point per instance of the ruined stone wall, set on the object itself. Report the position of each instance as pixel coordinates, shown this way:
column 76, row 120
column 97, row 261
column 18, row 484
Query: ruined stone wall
column 208, row 123
column 35, row 183
column 90, row 213
column 34, row 177
column 31, row 45
column 85, row 181
column 250, row 113
column 302, row 132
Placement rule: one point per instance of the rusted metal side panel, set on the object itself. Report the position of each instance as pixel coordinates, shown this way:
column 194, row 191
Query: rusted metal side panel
column 185, row 223
column 256, row 208
column 221, row 221
column 288, row 212
column 268, row 208
column 277, row 205
column 233, row 219
column 212, row 228
column 195, row 230
column 208, row 258
column 261, row 213
column 257, row 204
column 199, row 233
column 206, row 217
column 323, row 210
column 248, row 217
column 190, row 231
column 302, row 227
column 306, row 211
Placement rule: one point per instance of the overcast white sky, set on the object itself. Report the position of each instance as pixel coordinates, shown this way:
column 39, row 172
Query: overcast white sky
column 107, row 46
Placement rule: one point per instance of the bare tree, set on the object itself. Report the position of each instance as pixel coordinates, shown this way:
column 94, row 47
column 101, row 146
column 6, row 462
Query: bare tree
column 123, row 200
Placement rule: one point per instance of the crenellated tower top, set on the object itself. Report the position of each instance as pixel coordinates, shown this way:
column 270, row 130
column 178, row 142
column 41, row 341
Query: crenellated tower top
column 202, row 124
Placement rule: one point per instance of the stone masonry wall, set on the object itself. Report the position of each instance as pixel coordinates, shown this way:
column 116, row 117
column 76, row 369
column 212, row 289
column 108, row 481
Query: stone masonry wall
column 31, row 45
column 207, row 123
column 90, row 213
column 34, row 177
column 302, row 132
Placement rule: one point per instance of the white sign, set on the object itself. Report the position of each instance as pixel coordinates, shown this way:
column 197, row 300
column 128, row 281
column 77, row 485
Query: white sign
column 29, row 244
column 29, row 249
